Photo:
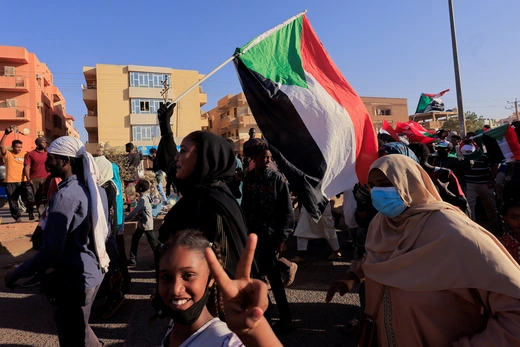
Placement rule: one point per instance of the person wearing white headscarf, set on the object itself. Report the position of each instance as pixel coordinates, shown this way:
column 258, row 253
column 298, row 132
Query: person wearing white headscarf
column 73, row 243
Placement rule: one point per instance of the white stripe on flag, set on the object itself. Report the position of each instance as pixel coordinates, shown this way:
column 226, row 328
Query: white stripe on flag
column 506, row 150
column 331, row 127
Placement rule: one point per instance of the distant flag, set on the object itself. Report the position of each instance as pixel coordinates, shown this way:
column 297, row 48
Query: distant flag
column 415, row 132
column 502, row 143
column 388, row 128
column 430, row 102
column 319, row 129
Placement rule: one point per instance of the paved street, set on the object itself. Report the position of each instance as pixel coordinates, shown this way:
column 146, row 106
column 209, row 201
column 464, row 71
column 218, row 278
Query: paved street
column 25, row 318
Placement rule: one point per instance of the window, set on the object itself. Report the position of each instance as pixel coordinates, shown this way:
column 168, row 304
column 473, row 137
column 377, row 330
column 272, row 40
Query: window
column 210, row 123
column 223, row 116
column 383, row 112
column 144, row 106
column 227, row 113
column 235, row 112
column 145, row 132
column 56, row 121
column 236, row 132
column 148, row 79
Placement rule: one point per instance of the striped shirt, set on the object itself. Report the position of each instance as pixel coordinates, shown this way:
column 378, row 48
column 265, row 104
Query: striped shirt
column 478, row 171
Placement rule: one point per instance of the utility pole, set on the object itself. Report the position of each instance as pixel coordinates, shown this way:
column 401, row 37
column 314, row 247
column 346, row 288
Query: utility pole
column 460, row 104
column 515, row 103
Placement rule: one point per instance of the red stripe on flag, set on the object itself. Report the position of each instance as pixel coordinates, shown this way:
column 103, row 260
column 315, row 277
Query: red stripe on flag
column 388, row 128
column 512, row 141
column 317, row 62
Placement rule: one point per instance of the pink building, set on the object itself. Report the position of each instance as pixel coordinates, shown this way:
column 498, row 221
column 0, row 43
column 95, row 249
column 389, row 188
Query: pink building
column 29, row 100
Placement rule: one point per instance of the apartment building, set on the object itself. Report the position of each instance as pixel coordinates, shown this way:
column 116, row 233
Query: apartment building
column 29, row 100
column 434, row 120
column 122, row 103
column 392, row 110
column 232, row 117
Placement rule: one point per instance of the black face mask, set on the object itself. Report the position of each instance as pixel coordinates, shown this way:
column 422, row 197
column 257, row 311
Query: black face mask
column 185, row 317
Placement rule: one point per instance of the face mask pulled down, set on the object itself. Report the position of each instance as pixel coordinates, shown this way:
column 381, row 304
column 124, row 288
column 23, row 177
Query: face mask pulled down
column 185, row 317
column 387, row 201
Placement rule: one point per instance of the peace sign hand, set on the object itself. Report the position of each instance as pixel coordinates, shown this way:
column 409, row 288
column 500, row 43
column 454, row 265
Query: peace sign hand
column 245, row 299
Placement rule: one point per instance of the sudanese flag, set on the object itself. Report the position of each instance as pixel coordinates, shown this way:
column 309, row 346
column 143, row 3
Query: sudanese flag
column 319, row 130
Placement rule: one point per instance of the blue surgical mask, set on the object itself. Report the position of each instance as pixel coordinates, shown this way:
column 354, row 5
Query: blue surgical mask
column 387, row 201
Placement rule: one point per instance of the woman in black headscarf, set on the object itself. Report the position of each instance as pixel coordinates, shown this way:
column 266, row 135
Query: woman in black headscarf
column 200, row 171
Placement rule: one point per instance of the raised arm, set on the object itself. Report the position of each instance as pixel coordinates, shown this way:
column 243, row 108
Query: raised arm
column 167, row 149
column 7, row 131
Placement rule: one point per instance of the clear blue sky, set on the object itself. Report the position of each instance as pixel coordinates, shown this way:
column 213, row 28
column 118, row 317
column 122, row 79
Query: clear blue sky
column 384, row 48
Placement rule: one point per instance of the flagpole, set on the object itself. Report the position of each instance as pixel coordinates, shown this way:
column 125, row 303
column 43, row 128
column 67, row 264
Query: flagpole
column 460, row 104
column 251, row 45
column 199, row 82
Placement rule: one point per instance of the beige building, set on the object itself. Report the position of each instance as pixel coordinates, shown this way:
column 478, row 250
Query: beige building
column 434, row 120
column 392, row 110
column 122, row 103
column 232, row 117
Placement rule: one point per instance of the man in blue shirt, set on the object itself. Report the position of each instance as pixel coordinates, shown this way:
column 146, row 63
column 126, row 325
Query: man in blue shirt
column 74, row 234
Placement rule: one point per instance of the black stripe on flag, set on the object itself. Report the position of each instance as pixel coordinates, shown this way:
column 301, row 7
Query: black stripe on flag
column 293, row 147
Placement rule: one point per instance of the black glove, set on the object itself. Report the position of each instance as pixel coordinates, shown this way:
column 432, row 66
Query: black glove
column 164, row 114
column 8, row 130
column 362, row 194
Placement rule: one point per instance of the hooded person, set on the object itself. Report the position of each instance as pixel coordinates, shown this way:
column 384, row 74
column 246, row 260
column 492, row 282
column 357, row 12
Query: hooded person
column 73, row 242
column 204, row 165
column 397, row 148
column 434, row 277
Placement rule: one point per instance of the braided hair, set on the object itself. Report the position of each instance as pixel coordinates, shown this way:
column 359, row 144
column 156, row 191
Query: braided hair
column 194, row 240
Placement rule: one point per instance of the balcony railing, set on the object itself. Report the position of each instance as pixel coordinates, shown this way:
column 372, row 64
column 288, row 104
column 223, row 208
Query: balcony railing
column 14, row 84
column 13, row 113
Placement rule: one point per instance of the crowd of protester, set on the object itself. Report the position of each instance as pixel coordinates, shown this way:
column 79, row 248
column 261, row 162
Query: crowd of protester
column 437, row 240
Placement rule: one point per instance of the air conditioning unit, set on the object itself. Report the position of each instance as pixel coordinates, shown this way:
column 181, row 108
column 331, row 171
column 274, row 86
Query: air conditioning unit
column 39, row 104
column 39, row 76
column 9, row 71
column 10, row 102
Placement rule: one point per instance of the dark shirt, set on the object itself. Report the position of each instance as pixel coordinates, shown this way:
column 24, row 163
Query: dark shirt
column 36, row 161
column 67, row 238
column 478, row 171
column 134, row 159
column 111, row 192
column 267, row 205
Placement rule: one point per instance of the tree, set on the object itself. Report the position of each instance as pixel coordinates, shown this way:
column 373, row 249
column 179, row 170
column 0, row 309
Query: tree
column 473, row 122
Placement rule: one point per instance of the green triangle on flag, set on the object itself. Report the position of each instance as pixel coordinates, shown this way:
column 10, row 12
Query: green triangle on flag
column 497, row 133
column 424, row 101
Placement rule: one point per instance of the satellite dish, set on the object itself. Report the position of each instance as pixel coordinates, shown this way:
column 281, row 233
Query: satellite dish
column 26, row 131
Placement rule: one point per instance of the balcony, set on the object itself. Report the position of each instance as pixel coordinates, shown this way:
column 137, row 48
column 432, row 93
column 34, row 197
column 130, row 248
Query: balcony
column 224, row 124
column 147, row 93
column 18, row 113
column 90, row 122
column 47, row 79
column 144, row 119
column 90, row 94
column 46, row 100
column 57, row 96
column 15, row 55
column 203, row 97
column 14, row 84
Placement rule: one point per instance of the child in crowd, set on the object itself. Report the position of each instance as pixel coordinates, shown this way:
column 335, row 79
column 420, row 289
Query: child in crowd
column 510, row 212
column 185, row 284
column 143, row 211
